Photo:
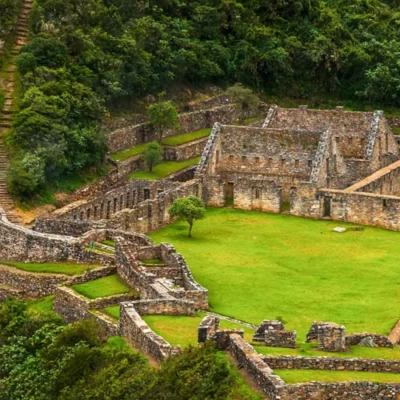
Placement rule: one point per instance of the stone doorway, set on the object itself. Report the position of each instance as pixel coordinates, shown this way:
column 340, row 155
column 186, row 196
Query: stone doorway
column 229, row 193
column 327, row 207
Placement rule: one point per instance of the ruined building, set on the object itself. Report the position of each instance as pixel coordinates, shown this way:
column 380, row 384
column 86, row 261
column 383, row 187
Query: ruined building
column 317, row 163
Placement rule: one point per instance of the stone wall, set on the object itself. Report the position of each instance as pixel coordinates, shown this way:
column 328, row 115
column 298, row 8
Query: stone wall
column 332, row 364
column 74, row 307
column 273, row 334
column 139, row 335
column 207, row 328
column 30, row 285
column 144, row 217
column 184, row 151
column 127, row 137
column 369, row 340
column 17, row 243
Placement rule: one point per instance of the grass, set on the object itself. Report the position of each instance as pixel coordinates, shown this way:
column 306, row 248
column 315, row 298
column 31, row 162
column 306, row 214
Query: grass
column 310, row 350
column 45, row 304
column 110, row 243
column 52, row 268
column 396, row 131
column 103, row 287
column 128, row 153
column 182, row 330
column 186, row 137
column 154, row 261
column 261, row 266
column 113, row 311
column 117, row 342
column 303, row 376
column 164, row 169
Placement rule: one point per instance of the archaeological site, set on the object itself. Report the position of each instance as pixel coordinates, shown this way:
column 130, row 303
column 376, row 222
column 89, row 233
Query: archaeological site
column 291, row 277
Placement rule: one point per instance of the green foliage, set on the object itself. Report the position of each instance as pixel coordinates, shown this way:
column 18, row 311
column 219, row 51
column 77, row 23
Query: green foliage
column 188, row 209
column 42, row 359
column 2, row 99
column 163, row 115
column 152, row 155
column 8, row 15
column 244, row 97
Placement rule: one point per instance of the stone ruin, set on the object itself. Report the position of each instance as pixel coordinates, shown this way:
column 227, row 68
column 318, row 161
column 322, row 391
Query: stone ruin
column 273, row 334
column 330, row 336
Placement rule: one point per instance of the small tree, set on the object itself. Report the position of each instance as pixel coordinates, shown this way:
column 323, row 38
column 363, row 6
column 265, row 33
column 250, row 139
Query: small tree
column 152, row 155
column 163, row 115
column 244, row 97
column 188, row 209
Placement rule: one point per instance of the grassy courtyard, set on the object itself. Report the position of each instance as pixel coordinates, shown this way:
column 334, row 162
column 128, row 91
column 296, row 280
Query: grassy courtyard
column 52, row 268
column 103, row 287
column 164, row 169
column 186, row 137
column 261, row 266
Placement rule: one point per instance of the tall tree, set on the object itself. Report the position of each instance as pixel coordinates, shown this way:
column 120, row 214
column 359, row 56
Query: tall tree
column 152, row 155
column 244, row 97
column 163, row 115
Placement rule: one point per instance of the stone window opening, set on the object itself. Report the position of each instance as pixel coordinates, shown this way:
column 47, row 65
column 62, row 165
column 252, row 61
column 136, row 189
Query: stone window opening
column 257, row 194
column 115, row 204
column 82, row 214
column 128, row 199
column 309, row 163
column 283, row 161
column 362, row 142
column 350, row 140
column 121, row 202
column 108, row 208
column 146, row 194
column 217, row 157
column 101, row 210
column 95, row 211
column 88, row 213
column 231, row 157
column 297, row 163
column 270, row 161
column 385, row 204
column 244, row 159
column 257, row 160
column 337, row 138
column 133, row 198
column 75, row 217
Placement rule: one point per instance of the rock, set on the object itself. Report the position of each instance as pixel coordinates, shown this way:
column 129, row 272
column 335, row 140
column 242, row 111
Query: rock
column 339, row 230
column 368, row 342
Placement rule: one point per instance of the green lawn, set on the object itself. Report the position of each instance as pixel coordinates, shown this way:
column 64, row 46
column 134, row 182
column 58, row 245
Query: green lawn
column 181, row 330
column 396, row 131
column 110, row 243
column 310, row 350
column 45, row 304
column 132, row 151
column 113, row 311
column 186, row 137
column 52, row 268
column 152, row 261
column 164, row 169
column 303, row 376
column 262, row 266
column 103, row 287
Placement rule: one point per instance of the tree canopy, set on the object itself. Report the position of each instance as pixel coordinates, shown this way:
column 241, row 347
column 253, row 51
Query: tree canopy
column 188, row 209
column 87, row 55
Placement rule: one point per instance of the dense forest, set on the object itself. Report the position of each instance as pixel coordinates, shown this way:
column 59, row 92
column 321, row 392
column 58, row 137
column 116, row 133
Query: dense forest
column 43, row 359
column 88, row 54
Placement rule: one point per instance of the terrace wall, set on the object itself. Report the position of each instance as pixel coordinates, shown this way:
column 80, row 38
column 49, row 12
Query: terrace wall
column 185, row 151
column 332, row 364
column 74, row 307
column 127, row 137
column 17, row 243
column 138, row 333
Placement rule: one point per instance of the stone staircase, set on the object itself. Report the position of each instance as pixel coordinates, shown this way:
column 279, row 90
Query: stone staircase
column 6, row 115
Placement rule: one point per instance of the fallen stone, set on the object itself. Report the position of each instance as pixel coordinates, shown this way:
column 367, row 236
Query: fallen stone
column 339, row 230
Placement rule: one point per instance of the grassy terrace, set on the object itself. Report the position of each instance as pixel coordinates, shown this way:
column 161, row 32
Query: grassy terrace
column 303, row 376
column 103, row 287
column 52, row 268
column 164, row 169
column 261, row 266
column 171, row 141
column 186, row 137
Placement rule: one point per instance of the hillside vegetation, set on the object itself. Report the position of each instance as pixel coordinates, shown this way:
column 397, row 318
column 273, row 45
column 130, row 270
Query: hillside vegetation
column 88, row 55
